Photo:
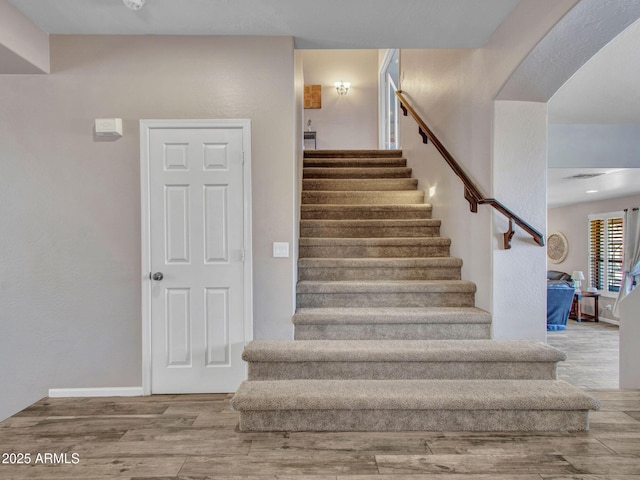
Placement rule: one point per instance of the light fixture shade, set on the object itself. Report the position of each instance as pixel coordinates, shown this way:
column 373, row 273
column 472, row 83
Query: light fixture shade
column 134, row 4
column 577, row 275
column 342, row 87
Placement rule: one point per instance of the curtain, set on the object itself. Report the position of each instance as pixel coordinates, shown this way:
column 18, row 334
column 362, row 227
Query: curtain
column 631, row 261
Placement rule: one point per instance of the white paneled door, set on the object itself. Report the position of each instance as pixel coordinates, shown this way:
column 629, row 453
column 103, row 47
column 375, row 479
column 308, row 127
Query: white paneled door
column 197, row 282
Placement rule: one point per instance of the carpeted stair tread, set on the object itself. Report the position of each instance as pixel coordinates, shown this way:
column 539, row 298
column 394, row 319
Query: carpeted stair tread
column 388, row 262
column 401, row 351
column 407, row 247
column 404, row 222
column 356, row 172
column 411, row 395
column 386, row 286
column 382, row 315
column 370, row 228
column 352, row 153
column 359, row 184
column 377, row 359
column 374, row 242
column 364, row 211
column 354, row 162
column 362, row 197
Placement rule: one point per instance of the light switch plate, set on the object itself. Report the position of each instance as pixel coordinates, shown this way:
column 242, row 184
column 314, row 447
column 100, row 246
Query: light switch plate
column 280, row 249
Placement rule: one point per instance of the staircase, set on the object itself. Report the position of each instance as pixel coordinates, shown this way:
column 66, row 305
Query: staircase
column 387, row 335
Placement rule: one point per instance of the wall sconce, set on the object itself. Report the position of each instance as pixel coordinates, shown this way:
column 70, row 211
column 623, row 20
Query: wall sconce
column 342, row 87
column 134, row 4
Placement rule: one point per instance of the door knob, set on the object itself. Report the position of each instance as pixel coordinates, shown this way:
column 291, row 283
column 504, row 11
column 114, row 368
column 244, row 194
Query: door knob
column 157, row 276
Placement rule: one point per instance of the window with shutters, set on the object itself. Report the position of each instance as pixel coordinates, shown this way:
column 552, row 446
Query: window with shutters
column 605, row 252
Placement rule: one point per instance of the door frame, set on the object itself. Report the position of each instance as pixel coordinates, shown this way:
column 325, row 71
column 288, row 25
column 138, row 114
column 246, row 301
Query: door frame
column 383, row 97
column 146, row 126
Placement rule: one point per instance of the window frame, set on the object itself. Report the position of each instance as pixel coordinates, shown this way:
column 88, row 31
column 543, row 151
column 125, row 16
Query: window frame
column 606, row 217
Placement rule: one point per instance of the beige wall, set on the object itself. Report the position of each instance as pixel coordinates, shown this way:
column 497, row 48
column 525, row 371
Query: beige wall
column 24, row 47
column 454, row 91
column 70, row 204
column 572, row 220
column 349, row 121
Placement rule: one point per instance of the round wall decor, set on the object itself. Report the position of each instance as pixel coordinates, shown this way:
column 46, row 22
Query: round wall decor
column 557, row 247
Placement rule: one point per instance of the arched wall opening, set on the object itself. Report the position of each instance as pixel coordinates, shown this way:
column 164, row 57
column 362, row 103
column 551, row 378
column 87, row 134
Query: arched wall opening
column 520, row 130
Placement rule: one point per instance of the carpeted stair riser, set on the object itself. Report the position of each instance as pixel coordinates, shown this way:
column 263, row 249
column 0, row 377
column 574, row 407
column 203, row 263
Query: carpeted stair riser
column 425, row 293
column 365, row 212
column 373, row 247
column 393, row 331
column 359, row 184
column 409, row 405
column 446, row 268
column 363, row 197
column 354, row 172
column 404, row 359
column 401, row 420
column 355, row 162
column 448, row 323
column 369, row 228
column 381, row 315
column 433, row 299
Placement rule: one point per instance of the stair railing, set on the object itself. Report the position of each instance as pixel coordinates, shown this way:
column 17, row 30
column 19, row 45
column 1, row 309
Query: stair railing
column 471, row 192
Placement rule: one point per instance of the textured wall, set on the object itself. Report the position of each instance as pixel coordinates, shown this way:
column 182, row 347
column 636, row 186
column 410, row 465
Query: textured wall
column 594, row 146
column 520, row 181
column 572, row 220
column 24, row 47
column 70, row 204
column 349, row 121
column 455, row 90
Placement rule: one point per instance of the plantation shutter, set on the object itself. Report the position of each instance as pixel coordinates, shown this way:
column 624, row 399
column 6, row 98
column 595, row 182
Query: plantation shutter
column 596, row 254
column 614, row 254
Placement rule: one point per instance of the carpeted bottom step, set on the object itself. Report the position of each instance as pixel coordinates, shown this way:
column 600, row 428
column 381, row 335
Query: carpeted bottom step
column 435, row 323
column 401, row 359
column 397, row 405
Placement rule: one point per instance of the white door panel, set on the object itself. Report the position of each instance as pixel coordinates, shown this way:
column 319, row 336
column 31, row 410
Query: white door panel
column 197, row 241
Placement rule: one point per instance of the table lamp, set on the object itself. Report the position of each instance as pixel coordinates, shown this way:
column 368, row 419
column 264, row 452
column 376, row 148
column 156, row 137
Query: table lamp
column 577, row 277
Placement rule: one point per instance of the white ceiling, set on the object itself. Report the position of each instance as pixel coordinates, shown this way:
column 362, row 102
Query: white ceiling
column 615, row 182
column 325, row 24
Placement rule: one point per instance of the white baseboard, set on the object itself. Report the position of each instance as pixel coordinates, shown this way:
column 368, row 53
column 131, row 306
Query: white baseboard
column 96, row 392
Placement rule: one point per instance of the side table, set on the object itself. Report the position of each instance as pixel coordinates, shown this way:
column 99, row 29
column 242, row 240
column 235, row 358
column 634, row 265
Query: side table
column 576, row 308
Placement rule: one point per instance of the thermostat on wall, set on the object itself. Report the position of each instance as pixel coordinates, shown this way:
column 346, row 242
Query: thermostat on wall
column 109, row 127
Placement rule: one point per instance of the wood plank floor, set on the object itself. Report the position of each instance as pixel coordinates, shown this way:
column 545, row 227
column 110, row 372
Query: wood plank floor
column 194, row 437
column 592, row 354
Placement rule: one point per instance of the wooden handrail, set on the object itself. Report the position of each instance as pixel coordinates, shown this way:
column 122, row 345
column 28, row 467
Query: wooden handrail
column 471, row 192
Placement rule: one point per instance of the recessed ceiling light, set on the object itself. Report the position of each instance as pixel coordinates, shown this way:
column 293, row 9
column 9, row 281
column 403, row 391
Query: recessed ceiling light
column 592, row 191
column 134, row 4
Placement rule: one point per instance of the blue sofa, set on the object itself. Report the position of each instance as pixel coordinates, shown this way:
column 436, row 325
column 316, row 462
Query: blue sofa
column 560, row 292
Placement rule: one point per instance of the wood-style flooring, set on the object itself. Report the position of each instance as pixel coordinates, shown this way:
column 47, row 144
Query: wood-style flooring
column 592, row 354
column 194, row 437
